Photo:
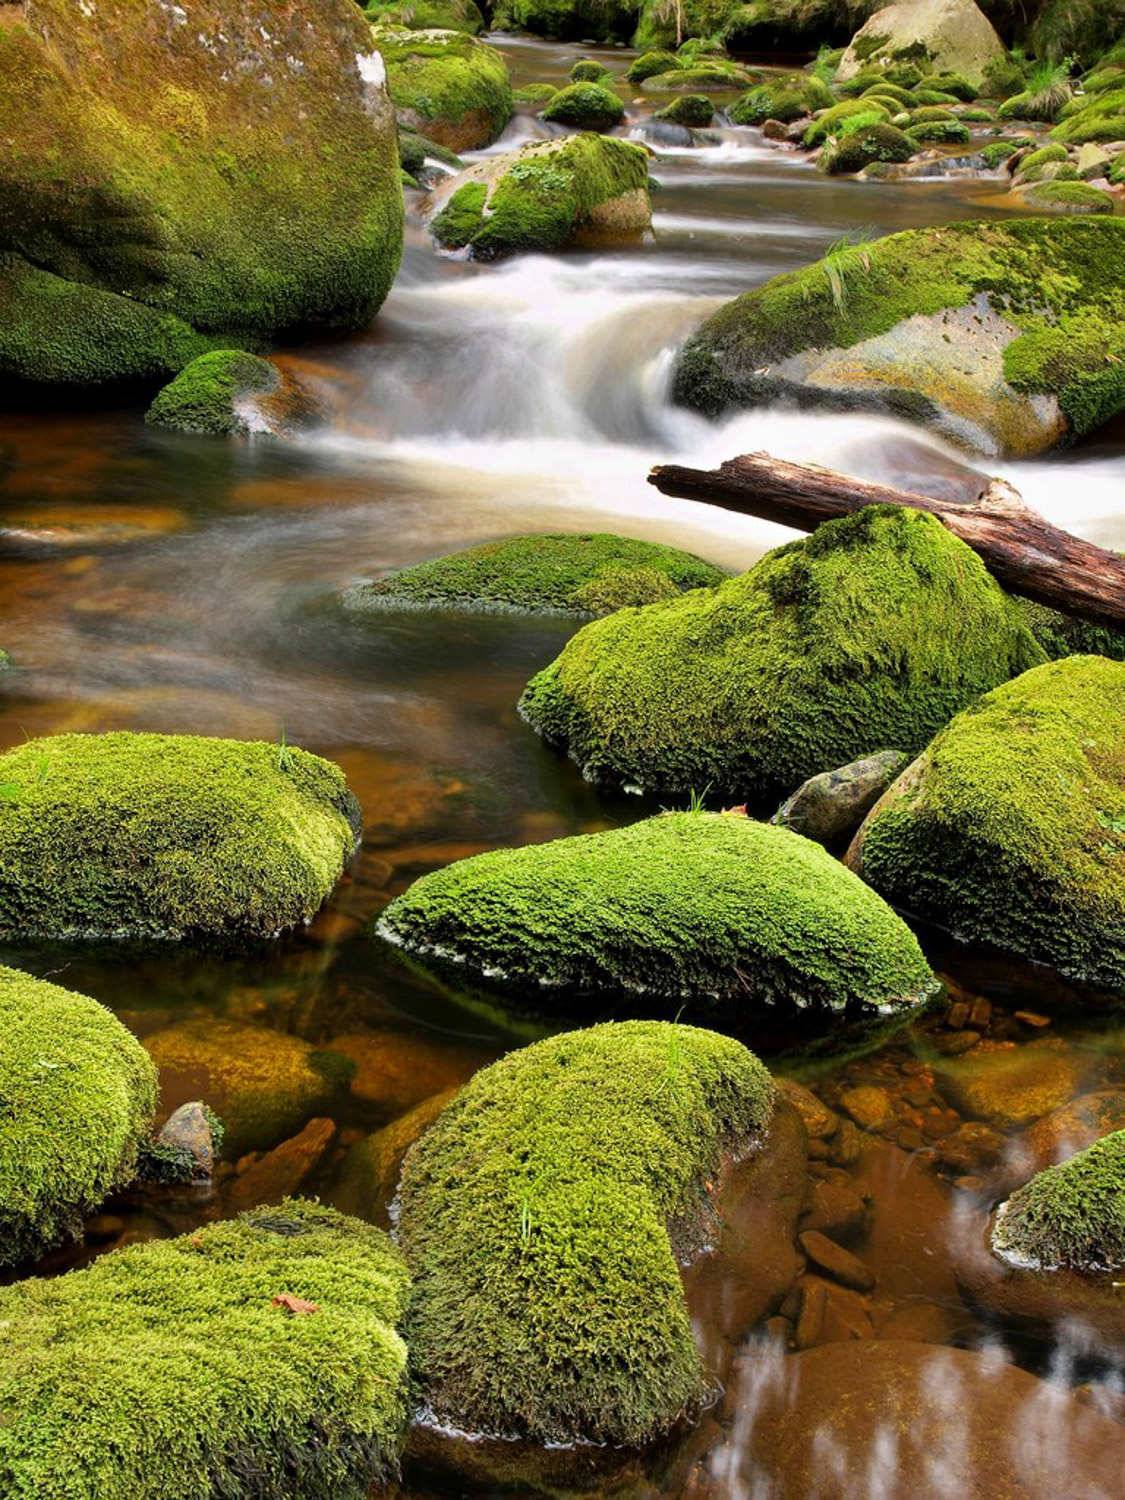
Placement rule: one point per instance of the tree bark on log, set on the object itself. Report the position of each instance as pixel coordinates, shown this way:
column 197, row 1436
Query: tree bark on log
column 1021, row 550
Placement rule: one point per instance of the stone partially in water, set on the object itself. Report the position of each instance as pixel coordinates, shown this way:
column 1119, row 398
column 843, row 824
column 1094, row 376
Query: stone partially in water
column 283, row 1171
column 1070, row 1215
column 77, row 1095
column 368, row 1177
column 230, row 394
column 447, row 85
column 684, row 906
column 168, row 836
column 585, row 106
column 830, row 807
column 189, row 1132
column 225, row 1362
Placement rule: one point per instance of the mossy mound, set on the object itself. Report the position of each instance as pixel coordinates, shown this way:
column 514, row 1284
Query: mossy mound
column 1097, row 117
column 541, row 1216
column 710, row 76
column 589, row 70
column 1062, row 197
column 554, row 574
column 545, row 196
column 209, row 394
column 939, row 133
column 167, row 187
column 649, row 64
column 786, row 99
column 875, row 143
column 168, row 836
column 1004, row 335
column 1070, row 1215
column 78, row 1096
column 585, row 106
column 831, row 122
column 447, row 85
column 427, row 15
column 1010, row 828
column 695, row 111
column 176, row 1370
column 696, row 906
column 868, row 635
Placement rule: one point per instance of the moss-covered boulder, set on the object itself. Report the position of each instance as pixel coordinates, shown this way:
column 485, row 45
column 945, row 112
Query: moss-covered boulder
column 939, row 133
column 589, row 70
column 683, row 906
column 1004, row 336
column 544, row 197
column 1070, row 1216
column 1094, row 117
column 1010, row 828
column 858, row 151
column 542, row 1215
column 707, row 75
column 1061, row 197
column 427, row 15
column 215, row 394
column 167, row 184
column 447, row 85
column 585, row 106
column 944, row 36
column 692, row 110
column 78, row 1094
column 848, row 116
column 871, row 633
column 254, row 1357
column 573, row 574
column 649, row 64
column 788, row 98
column 166, row 836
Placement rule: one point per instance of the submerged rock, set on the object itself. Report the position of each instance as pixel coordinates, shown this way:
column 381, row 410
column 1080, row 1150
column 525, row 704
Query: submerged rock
column 368, row 1177
column 542, row 1215
column 948, row 36
column 545, row 196
column 77, row 1095
column 225, row 1362
column 1003, row 336
column 830, row 807
column 173, row 183
column 447, row 85
column 1010, row 1086
column 581, row 574
column 874, row 630
column 1070, row 1215
column 1010, row 828
column 167, row 836
column 684, row 906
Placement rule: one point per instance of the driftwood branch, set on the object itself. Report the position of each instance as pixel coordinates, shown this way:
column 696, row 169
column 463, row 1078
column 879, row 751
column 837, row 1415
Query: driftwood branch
column 1021, row 550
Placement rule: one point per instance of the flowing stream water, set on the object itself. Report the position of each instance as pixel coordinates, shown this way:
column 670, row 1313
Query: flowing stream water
column 152, row 581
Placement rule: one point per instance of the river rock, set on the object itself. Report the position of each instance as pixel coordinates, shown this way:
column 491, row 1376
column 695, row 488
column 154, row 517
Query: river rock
column 282, row 1172
column 168, row 186
column 1055, row 1137
column 830, row 807
column 395, row 1070
column 1010, row 1086
column 959, row 328
column 229, row 393
column 840, row 1264
column 446, row 84
column 187, row 1130
column 951, row 36
column 368, row 1176
column 547, row 195
column 585, row 106
column 869, row 1106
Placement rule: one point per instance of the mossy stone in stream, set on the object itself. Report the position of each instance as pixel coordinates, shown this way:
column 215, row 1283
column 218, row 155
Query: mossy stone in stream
column 1010, row 828
column 868, row 635
column 585, row 106
column 427, row 15
column 832, row 121
column 78, row 1094
column 1060, row 197
column 168, row 836
column 447, row 85
column 415, row 150
column 788, row 98
column 649, row 64
column 939, row 133
column 874, row 143
column 693, row 110
column 253, row 1359
column 1097, row 117
column 541, row 1217
column 704, row 907
column 588, row 70
column 580, row 574
column 206, row 395
column 1071, row 1215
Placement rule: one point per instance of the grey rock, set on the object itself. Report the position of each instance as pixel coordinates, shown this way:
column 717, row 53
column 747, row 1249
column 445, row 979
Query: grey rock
column 831, row 806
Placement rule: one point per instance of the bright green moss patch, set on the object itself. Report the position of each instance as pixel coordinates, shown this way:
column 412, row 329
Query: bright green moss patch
column 830, row 122
column 683, row 906
column 998, row 152
column 206, row 395
column 939, row 133
column 585, row 106
column 587, row 70
column 541, row 573
column 649, row 64
column 692, row 110
column 542, row 1214
column 1010, row 829
column 462, row 216
column 149, row 835
column 868, row 635
column 1096, row 117
column 169, row 1371
column 77, row 1095
column 447, row 84
column 1070, row 1215
column 1068, row 197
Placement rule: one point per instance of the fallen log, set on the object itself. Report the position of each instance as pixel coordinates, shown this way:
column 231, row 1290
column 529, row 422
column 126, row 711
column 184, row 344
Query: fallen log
column 1021, row 550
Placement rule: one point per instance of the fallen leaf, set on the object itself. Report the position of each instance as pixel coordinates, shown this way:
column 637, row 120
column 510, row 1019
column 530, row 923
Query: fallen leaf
column 295, row 1305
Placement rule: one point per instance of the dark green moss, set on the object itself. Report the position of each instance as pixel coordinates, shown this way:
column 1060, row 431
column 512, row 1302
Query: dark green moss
column 875, row 143
column 868, row 635
column 1068, row 635
column 586, row 70
column 788, row 98
column 205, row 396
column 585, row 106
column 415, row 150
column 693, row 110
column 541, row 1216
column 461, row 216
column 169, row 1371
column 424, row 15
column 1069, row 1215
column 649, row 64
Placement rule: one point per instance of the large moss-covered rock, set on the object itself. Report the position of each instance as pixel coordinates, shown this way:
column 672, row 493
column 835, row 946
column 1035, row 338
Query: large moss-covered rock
column 1010, row 828
column 161, row 836
column 684, row 906
column 77, row 1095
column 1096, row 117
column 1069, row 1215
column 585, row 106
column 571, row 574
column 945, row 36
column 1004, row 336
column 1067, row 198
column 446, row 84
column 869, row 634
column 788, row 98
column 545, row 196
column 170, row 181
column 253, row 1358
column 542, row 1214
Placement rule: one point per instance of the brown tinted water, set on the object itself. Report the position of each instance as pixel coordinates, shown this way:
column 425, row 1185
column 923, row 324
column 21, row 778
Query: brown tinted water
column 150, row 581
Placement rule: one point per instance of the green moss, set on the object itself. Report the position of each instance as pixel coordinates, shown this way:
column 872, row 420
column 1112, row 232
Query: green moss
column 788, row 98
column 1061, row 196
column 934, row 97
column 585, row 106
column 1003, row 76
column 461, row 216
column 205, row 395
column 930, row 112
column 584, row 20
column 1011, row 828
column 535, row 93
column 587, row 70
column 1099, row 117
column 703, row 77
column 873, row 143
column 446, row 83
column 1078, row 29
column 621, row 588
column 149, row 835
column 415, row 150
column 1070, row 1215
column 168, row 1371
column 423, row 15
column 78, row 1095
column 1068, row 635
column 649, row 64
column 684, row 906
column 830, row 122
column 868, row 635
column 541, row 1216
column 541, row 573
column 998, row 152
column 1040, row 158
column 939, row 133
column 693, row 110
